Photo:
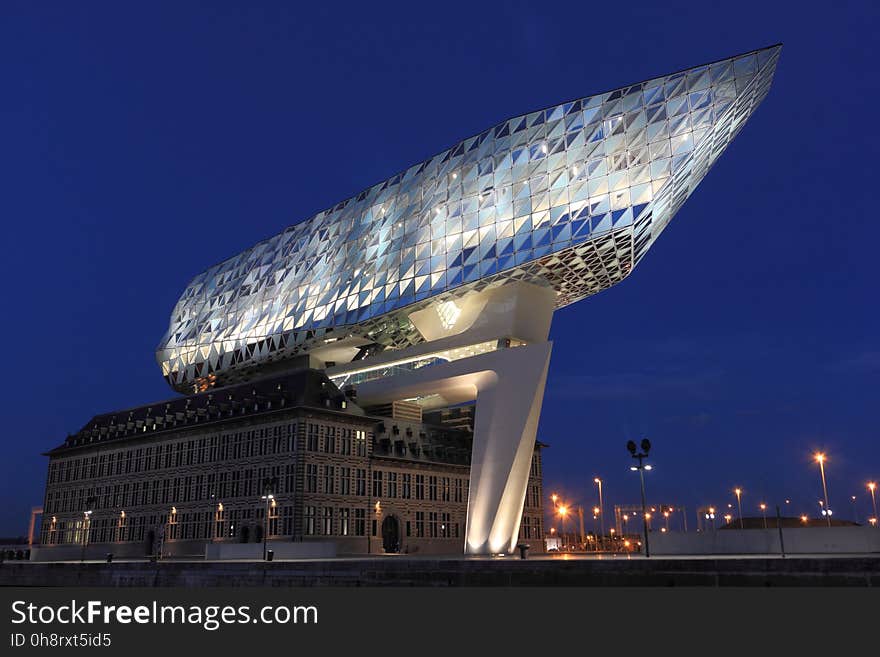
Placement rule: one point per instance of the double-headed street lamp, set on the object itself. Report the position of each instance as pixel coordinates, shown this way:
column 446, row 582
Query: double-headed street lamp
column 641, row 467
column 820, row 459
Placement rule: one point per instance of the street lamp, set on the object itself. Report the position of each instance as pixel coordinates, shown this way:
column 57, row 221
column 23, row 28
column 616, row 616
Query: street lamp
column 710, row 515
column 739, row 505
column 641, row 467
column 855, row 510
column 820, row 459
column 764, row 513
column 563, row 513
column 269, row 485
column 872, row 486
column 598, row 482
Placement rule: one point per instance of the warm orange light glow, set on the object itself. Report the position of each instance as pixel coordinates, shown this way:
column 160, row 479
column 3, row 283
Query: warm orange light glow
column 595, row 510
column 762, row 506
column 804, row 519
column 738, row 491
column 820, row 457
column 563, row 511
column 871, row 486
column 554, row 497
column 597, row 480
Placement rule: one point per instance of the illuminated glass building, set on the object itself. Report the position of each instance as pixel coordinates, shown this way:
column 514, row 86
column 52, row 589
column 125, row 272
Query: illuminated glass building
column 437, row 286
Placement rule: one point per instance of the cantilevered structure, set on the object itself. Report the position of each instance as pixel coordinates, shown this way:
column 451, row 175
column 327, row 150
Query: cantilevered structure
column 418, row 287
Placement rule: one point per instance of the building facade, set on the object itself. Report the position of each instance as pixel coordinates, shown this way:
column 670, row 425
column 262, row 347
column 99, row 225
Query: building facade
column 290, row 457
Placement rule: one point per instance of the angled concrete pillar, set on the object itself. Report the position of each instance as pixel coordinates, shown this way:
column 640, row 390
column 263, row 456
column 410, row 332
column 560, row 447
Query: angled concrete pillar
column 508, row 386
column 509, row 402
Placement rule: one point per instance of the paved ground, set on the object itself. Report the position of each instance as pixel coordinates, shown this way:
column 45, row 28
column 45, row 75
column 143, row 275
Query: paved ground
column 545, row 570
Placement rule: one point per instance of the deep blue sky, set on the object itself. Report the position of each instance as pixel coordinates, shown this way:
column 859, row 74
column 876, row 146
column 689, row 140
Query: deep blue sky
column 139, row 145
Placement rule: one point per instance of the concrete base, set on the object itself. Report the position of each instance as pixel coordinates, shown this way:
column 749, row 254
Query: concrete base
column 401, row 571
column 281, row 550
column 805, row 540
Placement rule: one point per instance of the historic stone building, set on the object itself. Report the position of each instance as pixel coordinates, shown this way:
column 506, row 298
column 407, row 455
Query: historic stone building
column 172, row 477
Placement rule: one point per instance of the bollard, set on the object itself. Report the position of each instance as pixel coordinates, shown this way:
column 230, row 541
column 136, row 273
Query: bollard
column 523, row 548
column 270, row 554
column 109, row 557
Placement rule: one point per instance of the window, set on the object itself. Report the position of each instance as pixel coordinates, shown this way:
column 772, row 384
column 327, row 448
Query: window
column 345, row 481
column 345, row 442
column 310, row 520
column 360, row 441
column 445, row 492
column 432, row 524
column 327, row 525
column 377, row 484
column 330, row 440
column 344, row 528
column 459, row 497
column 329, row 477
column 392, row 485
column 361, row 483
column 420, row 524
column 360, row 522
column 432, row 488
column 420, row 487
column 312, row 438
column 311, row 478
column 445, row 528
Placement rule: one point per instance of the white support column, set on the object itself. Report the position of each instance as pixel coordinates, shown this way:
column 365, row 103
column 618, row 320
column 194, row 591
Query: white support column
column 508, row 386
column 508, row 408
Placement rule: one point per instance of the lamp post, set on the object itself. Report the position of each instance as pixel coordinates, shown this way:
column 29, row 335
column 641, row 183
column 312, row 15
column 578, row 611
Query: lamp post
column 820, row 459
column 739, row 505
column 872, row 486
column 764, row 513
column 87, row 524
column 563, row 513
column 598, row 482
column 641, row 467
column 269, row 484
column 87, row 521
column 855, row 510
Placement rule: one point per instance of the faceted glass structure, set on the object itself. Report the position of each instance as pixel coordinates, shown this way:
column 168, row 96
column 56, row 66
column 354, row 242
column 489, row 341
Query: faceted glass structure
column 569, row 197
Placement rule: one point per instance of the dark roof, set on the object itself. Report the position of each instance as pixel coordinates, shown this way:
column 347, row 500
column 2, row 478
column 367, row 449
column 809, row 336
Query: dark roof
column 300, row 388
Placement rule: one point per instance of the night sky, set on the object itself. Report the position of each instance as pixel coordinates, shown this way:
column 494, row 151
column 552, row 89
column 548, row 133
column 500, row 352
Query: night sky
column 141, row 144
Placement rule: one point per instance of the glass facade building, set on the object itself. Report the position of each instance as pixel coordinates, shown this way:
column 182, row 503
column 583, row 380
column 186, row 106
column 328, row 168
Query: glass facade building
column 570, row 197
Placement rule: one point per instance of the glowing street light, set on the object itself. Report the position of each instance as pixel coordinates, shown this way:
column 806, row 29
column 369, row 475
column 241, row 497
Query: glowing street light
column 562, row 510
column 738, row 492
column 804, row 519
column 601, row 512
column 820, row 459
column 728, row 518
column 872, row 486
column 763, row 508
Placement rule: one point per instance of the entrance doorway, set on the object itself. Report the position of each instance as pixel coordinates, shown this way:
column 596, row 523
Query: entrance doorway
column 391, row 534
